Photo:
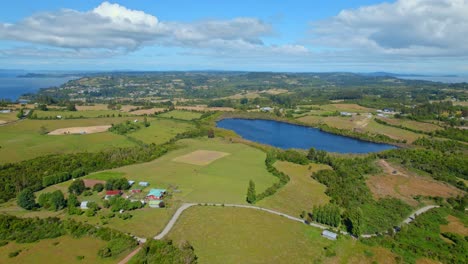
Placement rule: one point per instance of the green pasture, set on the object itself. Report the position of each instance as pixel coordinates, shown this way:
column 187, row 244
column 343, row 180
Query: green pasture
column 24, row 140
column 224, row 180
column 78, row 114
column 180, row 114
column 161, row 131
column 300, row 193
column 59, row 250
column 239, row 235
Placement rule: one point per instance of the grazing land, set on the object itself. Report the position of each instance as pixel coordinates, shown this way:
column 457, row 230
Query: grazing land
column 200, row 157
column 239, row 235
column 183, row 115
column 411, row 124
column 223, row 181
column 80, row 130
column 302, row 192
column 52, row 114
column 60, row 250
column 160, row 131
column 396, row 181
column 28, row 139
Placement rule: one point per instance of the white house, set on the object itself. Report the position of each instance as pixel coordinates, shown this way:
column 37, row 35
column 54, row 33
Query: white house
column 330, row 235
column 84, row 205
column 144, row 184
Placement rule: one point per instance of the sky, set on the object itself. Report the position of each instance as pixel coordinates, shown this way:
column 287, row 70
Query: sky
column 404, row 36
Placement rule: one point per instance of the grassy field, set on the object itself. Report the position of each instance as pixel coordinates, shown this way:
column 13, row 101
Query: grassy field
column 23, row 140
column 224, row 180
column 161, row 130
column 411, row 124
column 392, row 132
column 183, row 115
column 84, row 113
column 8, row 117
column 238, row 235
column 59, row 250
column 300, row 193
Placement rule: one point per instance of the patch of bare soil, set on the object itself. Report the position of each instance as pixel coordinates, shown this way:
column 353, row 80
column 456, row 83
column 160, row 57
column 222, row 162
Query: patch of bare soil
column 80, row 130
column 395, row 181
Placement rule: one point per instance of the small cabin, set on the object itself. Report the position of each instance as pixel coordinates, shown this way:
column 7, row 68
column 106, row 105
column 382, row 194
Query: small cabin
column 330, row 235
column 84, row 205
column 143, row 184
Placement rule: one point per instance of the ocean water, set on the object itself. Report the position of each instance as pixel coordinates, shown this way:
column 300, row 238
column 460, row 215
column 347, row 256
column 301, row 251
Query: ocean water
column 12, row 87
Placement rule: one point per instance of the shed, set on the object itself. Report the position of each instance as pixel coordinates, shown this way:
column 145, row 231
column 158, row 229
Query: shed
column 84, row 205
column 330, row 235
column 131, row 183
column 110, row 194
column 144, row 184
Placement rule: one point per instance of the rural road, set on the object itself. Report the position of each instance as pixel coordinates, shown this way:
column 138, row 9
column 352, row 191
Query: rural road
column 410, row 218
column 185, row 206
column 130, row 256
column 418, row 212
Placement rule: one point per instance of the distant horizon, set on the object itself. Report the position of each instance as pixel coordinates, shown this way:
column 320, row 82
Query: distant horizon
column 401, row 74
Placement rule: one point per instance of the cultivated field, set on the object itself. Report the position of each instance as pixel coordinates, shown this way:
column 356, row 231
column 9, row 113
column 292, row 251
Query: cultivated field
column 300, row 193
column 183, row 115
column 239, row 235
column 222, row 181
column 200, row 157
column 59, row 250
column 28, row 139
column 395, row 181
column 80, row 130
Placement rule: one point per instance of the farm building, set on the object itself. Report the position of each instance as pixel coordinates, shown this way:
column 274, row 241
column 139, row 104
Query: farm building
column 156, row 194
column 143, row 184
column 131, row 183
column 89, row 183
column 330, row 235
column 110, row 194
column 266, row 109
column 84, row 205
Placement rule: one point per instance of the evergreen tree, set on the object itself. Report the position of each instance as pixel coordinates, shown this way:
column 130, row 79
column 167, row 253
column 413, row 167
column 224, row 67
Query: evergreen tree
column 251, row 194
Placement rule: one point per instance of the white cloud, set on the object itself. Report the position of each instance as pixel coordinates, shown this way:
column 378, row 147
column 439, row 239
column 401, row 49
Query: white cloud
column 119, row 29
column 426, row 28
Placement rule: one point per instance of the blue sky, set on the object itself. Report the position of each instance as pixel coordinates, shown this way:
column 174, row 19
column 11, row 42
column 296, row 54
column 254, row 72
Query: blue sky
column 421, row 36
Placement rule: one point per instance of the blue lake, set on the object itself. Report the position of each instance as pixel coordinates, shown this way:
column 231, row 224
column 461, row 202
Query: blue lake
column 286, row 136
